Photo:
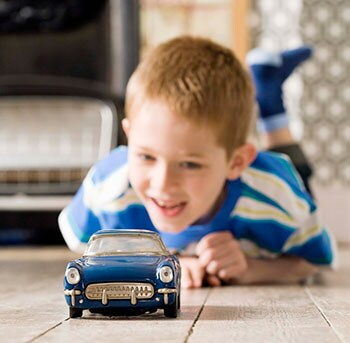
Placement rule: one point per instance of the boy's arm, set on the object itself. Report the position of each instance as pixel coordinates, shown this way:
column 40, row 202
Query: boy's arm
column 220, row 254
column 286, row 269
column 106, row 181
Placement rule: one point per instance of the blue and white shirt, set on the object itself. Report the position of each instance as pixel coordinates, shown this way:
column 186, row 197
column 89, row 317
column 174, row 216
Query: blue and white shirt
column 266, row 209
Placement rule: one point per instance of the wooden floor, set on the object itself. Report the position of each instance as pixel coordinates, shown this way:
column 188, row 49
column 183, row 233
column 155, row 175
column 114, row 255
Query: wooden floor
column 32, row 308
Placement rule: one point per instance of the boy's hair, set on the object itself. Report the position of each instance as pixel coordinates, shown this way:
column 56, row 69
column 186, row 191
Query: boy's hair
column 199, row 80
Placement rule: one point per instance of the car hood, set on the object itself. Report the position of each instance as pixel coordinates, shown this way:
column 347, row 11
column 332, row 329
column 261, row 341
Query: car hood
column 120, row 268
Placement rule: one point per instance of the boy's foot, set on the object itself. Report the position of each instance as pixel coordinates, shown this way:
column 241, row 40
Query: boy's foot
column 269, row 70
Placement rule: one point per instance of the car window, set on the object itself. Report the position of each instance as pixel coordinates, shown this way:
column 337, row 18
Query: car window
column 119, row 244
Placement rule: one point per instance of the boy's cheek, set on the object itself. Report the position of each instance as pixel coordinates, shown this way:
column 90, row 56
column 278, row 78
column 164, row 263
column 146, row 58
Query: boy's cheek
column 136, row 178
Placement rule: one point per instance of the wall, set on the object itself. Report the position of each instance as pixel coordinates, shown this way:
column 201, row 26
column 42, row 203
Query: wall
column 165, row 19
column 318, row 96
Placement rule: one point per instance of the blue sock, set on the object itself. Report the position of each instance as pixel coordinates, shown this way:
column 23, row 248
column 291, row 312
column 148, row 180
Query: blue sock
column 269, row 70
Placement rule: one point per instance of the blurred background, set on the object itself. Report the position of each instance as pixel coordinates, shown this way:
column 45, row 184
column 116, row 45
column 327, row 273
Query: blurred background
column 63, row 71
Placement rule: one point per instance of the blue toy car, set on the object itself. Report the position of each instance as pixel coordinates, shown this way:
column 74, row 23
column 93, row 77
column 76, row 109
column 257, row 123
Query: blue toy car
column 123, row 272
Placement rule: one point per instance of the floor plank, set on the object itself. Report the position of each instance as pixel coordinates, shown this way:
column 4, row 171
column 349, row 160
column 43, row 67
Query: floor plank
column 32, row 308
column 31, row 300
column 263, row 314
column 145, row 328
column 331, row 294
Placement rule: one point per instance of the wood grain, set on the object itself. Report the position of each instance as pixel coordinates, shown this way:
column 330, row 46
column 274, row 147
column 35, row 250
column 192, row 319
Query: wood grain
column 331, row 295
column 263, row 314
column 32, row 308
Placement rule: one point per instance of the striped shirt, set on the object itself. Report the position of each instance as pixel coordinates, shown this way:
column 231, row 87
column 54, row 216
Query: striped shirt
column 266, row 209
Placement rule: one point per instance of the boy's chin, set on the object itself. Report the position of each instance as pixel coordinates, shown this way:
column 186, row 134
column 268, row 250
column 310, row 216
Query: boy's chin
column 174, row 227
column 170, row 230
column 161, row 227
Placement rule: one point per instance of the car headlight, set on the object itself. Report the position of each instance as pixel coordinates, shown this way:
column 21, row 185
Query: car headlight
column 166, row 274
column 72, row 275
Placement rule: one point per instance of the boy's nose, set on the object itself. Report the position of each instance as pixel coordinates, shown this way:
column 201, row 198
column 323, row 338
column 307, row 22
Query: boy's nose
column 164, row 177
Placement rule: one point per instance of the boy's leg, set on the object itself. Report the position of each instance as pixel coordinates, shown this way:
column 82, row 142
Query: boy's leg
column 269, row 71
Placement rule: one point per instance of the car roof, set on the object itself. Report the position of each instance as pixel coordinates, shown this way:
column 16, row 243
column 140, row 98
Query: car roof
column 125, row 231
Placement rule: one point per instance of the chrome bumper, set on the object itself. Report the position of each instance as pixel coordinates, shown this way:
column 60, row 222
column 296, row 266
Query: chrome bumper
column 118, row 291
column 72, row 292
column 166, row 292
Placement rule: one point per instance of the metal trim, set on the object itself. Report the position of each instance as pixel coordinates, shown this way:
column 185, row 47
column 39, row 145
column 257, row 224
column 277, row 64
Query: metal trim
column 119, row 291
column 166, row 292
column 72, row 292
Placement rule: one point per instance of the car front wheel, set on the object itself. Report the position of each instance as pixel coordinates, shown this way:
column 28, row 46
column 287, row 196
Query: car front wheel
column 75, row 312
column 171, row 310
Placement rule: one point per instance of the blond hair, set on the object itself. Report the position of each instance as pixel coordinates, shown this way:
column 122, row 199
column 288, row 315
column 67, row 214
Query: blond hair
column 199, row 80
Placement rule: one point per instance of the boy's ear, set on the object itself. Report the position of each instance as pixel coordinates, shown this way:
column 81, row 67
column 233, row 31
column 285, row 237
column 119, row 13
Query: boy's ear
column 126, row 126
column 241, row 159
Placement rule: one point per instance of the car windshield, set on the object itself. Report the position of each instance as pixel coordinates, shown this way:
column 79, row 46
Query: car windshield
column 125, row 244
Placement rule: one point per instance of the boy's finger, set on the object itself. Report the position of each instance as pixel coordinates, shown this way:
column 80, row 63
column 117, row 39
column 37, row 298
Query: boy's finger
column 231, row 272
column 213, row 239
column 186, row 278
column 224, row 254
column 197, row 276
column 212, row 280
column 212, row 268
column 192, row 277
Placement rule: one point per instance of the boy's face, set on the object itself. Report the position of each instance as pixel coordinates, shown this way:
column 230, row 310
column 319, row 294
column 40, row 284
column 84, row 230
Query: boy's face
column 176, row 168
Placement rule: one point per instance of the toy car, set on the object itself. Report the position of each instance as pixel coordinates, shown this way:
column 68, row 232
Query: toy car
column 123, row 272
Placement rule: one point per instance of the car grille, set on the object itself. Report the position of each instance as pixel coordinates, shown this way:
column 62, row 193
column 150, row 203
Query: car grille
column 119, row 290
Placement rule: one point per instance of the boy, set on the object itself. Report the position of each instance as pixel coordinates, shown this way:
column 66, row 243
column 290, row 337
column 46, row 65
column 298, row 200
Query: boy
column 232, row 214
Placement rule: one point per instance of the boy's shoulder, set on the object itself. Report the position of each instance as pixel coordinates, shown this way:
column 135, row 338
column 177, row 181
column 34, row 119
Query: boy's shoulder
column 274, row 166
column 270, row 158
column 108, row 179
column 272, row 189
column 114, row 162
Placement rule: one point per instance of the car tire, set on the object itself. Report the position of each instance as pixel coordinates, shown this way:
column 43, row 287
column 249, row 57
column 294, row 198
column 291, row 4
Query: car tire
column 171, row 310
column 75, row 312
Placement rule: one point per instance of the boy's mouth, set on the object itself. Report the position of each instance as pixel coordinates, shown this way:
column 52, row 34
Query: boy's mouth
column 169, row 209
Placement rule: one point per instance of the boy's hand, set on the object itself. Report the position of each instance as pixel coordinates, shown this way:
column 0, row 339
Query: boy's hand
column 193, row 274
column 220, row 255
column 220, row 258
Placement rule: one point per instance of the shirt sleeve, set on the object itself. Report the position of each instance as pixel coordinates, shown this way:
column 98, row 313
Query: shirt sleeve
column 312, row 241
column 77, row 220
column 284, row 218
column 82, row 217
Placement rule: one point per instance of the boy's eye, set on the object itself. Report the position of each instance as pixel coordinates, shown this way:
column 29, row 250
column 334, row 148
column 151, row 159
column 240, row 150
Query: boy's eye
column 190, row 165
column 146, row 157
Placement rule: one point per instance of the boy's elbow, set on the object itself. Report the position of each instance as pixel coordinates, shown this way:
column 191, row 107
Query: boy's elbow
column 305, row 270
